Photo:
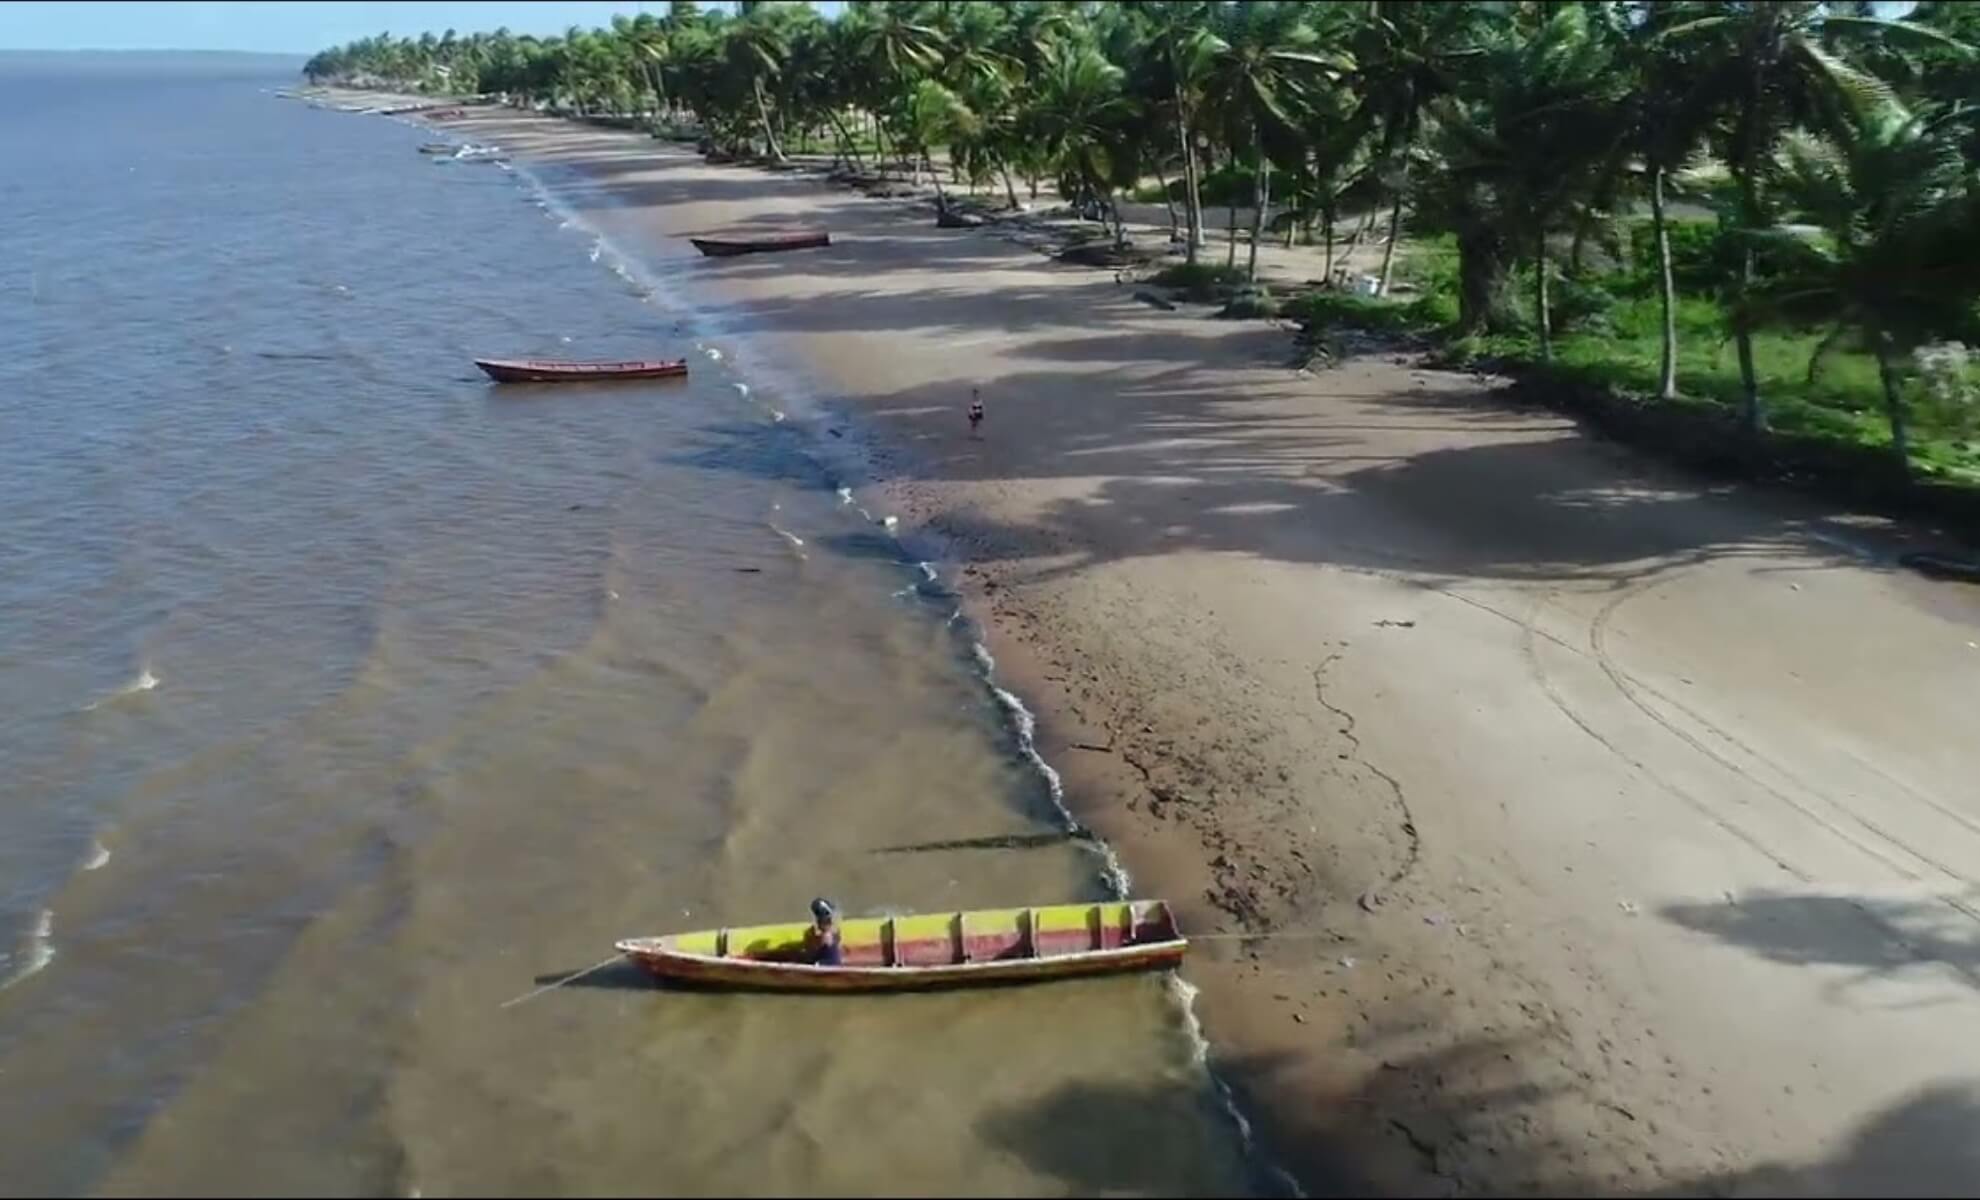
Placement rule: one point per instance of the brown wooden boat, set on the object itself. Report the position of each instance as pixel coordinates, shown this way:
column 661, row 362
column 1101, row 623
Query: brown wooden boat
column 730, row 245
column 546, row 370
column 932, row 950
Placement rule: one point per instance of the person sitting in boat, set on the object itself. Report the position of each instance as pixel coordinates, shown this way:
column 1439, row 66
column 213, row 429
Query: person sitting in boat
column 821, row 941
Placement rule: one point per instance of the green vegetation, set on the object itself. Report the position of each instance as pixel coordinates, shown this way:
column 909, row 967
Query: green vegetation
column 1549, row 160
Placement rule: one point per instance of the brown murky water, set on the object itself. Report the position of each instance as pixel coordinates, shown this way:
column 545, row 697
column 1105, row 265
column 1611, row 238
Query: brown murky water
column 345, row 696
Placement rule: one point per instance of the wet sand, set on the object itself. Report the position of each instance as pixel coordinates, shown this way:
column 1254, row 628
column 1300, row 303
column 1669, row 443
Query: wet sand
column 1614, row 830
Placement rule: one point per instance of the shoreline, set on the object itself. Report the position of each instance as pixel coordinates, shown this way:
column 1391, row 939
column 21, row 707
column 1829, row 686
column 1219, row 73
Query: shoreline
column 1237, row 517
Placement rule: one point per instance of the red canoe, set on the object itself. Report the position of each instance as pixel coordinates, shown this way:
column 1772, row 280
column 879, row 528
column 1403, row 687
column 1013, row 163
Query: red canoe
column 545, row 370
column 726, row 247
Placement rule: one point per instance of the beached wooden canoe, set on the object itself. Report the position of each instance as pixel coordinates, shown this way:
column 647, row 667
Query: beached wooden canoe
column 545, row 370
column 727, row 246
column 926, row 951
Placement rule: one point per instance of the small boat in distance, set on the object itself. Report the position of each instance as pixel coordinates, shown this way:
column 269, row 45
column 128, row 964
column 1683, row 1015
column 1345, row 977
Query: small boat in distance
column 437, row 147
column 549, row 370
column 730, row 245
column 907, row 953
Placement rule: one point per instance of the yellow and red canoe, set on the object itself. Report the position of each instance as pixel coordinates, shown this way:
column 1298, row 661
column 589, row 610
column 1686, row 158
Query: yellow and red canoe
column 928, row 950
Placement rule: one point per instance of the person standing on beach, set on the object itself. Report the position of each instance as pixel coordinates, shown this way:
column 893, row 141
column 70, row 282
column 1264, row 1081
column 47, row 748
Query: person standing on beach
column 975, row 410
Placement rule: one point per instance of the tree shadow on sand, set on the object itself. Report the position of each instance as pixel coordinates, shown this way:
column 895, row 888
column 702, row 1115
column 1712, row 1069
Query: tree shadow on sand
column 1180, row 471
column 1417, row 1127
column 1880, row 936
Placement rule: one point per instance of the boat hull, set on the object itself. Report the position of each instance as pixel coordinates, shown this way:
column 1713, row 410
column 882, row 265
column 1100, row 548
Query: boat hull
column 548, row 371
column 715, row 247
column 916, row 953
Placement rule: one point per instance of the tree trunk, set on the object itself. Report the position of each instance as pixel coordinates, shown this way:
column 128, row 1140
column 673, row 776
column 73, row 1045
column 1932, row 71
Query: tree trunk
column 1010, row 189
column 1543, row 315
column 1192, row 196
column 1389, row 251
column 1327, row 236
column 1261, row 194
column 1893, row 404
column 1162, row 181
column 1667, row 372
column 1484, row 302
column 1752, row 415
column 845, row 139
column 763, row 116
column 1230, row 238
column 659, row 91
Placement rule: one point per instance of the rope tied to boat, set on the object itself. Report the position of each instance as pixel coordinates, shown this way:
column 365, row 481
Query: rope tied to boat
column 551, row 987
column 1262, row 937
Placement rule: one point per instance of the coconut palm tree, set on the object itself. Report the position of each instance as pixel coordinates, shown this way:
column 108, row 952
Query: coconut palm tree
column 1179, row 32
column 1527, row 133
column 1769, row 66
column 755, row 47
column 894, row 49
column 1900, row 263
column 1407, row 53
column 1079, row 114
column 1338, row 167
column 1259, row 65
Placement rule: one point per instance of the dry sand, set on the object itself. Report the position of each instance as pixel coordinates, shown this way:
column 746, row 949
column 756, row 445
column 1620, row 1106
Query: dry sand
column 1620, row 832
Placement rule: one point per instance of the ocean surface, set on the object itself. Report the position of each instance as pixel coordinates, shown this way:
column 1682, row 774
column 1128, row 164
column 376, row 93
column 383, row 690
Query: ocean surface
column 346, row 697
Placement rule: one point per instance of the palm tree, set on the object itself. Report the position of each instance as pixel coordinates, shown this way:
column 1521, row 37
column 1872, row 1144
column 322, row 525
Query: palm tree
column 1079, row 115
column 1258, row 67
column 755, row 47
column 895, row 49
column 1900, row 264
column 1526, row 134
column 1771, row 65
column 1180, row 29
column 1337, row 169
column 1665, row 122
column 1407, row 54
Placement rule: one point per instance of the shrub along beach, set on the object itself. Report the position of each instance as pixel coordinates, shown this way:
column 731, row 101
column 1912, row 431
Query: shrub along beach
column 1615, row 821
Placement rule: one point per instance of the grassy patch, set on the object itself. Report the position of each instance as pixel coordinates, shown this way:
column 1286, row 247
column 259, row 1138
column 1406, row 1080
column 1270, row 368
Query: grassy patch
column 1252, row 302
column 1619, row 349
column 1202, row 282
column 1423, row 316
column 1844, row 403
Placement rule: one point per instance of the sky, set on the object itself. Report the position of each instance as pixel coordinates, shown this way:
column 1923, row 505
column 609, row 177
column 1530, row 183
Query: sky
column 305, row 26
column 294, row 27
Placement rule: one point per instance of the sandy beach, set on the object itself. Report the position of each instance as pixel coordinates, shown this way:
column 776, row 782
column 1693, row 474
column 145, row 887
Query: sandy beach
column 1612, row 830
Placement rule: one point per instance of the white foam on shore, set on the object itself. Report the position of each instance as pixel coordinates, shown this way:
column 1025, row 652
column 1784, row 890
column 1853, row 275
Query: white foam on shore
column 37, row 950
column 98, row 855
column 787, row 535
column 1183, row 992
column 845, row 494
column 1115, row 874
column 1023, row 727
